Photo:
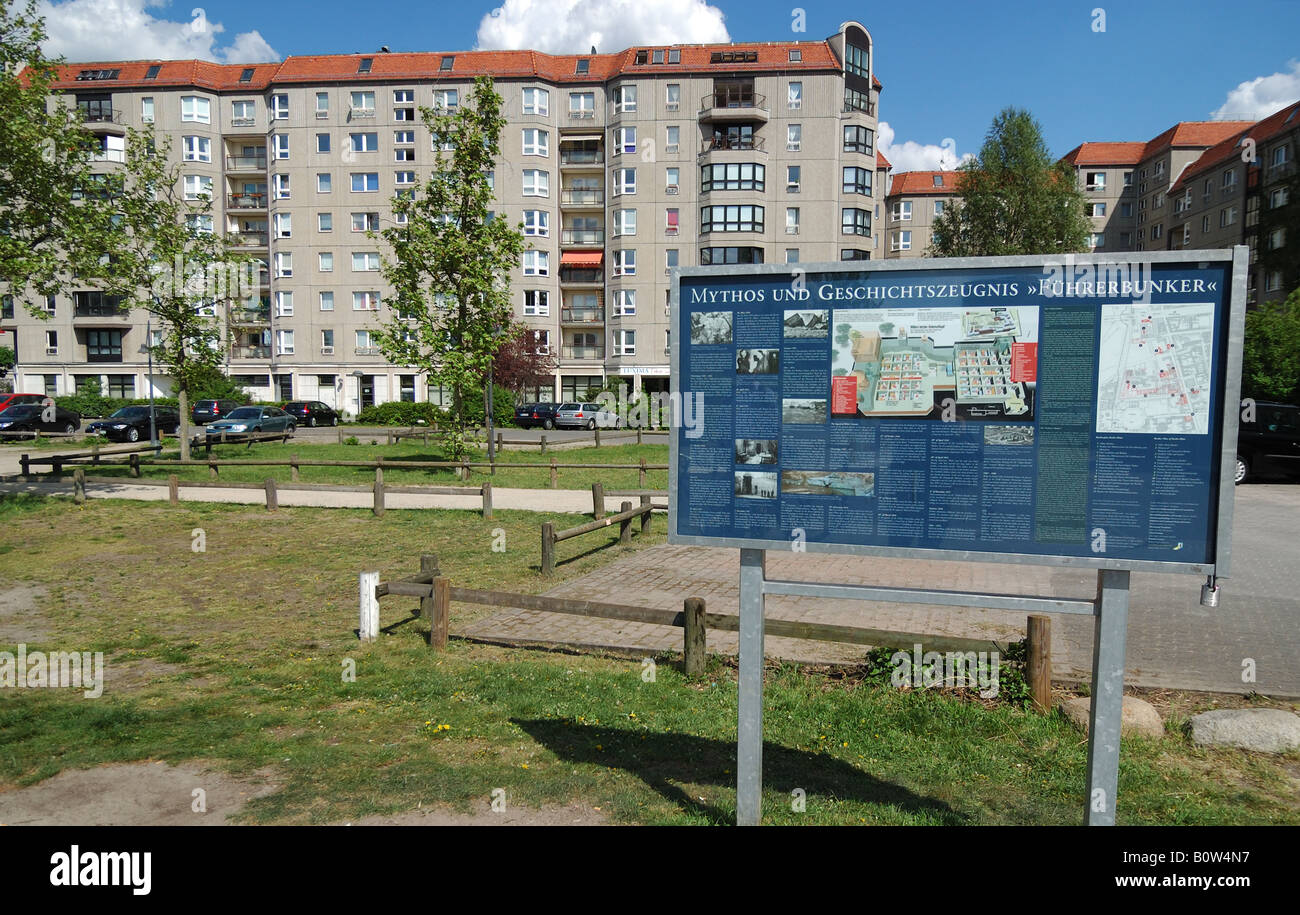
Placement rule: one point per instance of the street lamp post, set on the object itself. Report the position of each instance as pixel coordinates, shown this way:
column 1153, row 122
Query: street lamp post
column 358, row 375
column 488, row 409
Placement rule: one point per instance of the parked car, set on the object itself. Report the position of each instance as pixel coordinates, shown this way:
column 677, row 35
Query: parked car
column 585, row 416
column 253, row 419
column 535, row 414
column 13, row 400
column 131, row 424
column 29, row 417
column 312, row 413
column 205, row 411
column 1271, row 443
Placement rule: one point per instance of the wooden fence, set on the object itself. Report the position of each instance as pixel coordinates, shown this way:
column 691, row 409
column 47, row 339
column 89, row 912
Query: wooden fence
column 94, row 455
column 626, row 515
column 436, row 594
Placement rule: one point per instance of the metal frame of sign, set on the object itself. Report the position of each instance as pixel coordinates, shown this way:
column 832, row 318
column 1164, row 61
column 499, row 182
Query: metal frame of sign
column 1110, row 606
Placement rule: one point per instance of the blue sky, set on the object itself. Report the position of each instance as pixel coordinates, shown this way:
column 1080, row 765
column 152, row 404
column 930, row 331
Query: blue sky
column 947, row 66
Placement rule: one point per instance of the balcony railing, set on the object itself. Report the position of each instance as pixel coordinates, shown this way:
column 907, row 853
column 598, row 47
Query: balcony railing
column 245, row 316
column 246, row 201
column 582, row 197
column 582, row 114
column 584, row 352
column 576, row 275
column 745, row 144
column 250, row 352
column 733, row 100
column 105, row 310
column 581, row 156
column 866, row 107
column 100, row 115
column 247, row 239
column 245, row 163
column 109, row 155
column 243, row 122
column 582, row 237
column 582, row 316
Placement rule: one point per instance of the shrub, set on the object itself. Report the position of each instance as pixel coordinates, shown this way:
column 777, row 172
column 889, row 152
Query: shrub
column 400, row 413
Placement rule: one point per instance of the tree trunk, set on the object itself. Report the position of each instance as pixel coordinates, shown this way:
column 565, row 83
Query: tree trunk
column 184, row 408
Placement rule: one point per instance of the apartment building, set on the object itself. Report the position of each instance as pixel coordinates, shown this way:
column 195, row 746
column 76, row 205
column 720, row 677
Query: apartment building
column 913, row 202
column 1105, row 175
column 618, row 166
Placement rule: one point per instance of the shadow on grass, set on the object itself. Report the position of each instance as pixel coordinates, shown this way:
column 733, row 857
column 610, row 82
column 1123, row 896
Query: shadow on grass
column 665, row 761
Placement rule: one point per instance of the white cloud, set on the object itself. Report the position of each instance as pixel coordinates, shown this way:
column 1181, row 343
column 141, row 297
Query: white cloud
column 1257, row 98
column 911, row 156
column 127, row 30
column 575, row 26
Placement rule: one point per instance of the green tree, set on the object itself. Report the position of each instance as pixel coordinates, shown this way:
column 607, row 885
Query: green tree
column 1270, row 356
column 450, row 261
column 169, row 261
column 1014, row 199
column 48, row 233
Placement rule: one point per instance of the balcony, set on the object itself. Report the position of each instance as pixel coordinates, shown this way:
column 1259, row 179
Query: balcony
column 582, row 316
column 733, row 106
column 100, row 119
column 582, row 114
column 246, row 239
column 582, row 237
column 356, row 113
column 246, row 201
column 581, row 158
column 245, row 163
column 250, row 352
column 251, row 317
column 860, row 107
column 584, row 352
column 575, row 276
column 243, row 122
column 733, row 149
column 582, row 197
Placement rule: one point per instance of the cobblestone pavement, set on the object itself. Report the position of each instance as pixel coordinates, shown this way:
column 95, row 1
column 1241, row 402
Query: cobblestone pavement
column 1173, row 642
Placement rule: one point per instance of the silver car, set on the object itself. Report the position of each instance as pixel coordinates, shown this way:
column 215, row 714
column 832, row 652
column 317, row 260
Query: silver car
column 575, row 415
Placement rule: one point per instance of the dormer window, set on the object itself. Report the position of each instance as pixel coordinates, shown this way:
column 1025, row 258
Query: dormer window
column 446, row 63
column 152, row 72
column 796, row 55
column 365, row 65
column 657, row 57
column 938, row 180
column 246, row 76
column 642, row 57
column 674, row 56
column 583, row 67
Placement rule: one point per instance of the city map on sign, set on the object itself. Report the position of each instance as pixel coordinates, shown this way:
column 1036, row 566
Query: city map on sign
column 1153, row 372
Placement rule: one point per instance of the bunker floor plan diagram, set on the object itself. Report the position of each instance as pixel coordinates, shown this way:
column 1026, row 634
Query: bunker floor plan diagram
column 1154, row 368
column 908, row 362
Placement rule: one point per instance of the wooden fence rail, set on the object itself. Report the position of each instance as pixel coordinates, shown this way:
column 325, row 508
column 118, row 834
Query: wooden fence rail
column 93, row 456
column 626, row 515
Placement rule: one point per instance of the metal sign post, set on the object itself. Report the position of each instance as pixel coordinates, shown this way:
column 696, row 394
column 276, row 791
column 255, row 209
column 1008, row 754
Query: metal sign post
column 1110, row 635
column 749, row 739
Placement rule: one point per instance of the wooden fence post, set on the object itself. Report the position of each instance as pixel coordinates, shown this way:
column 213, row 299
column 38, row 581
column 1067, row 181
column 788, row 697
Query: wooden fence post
column 625, row 526
column 487, row 501
column 598, row 436
column 555, row 480
column 379, row 491
column 134, row 461
column 638, row 435
column 641, row 474
column 94, row 452
column 543, row 444
column 645, row 516
column 429, row 567
column 56, row 466
column 79, row 486
column 548, row 548
column 440, row 622
column 293, row 468
column 173, row 489
column 369, row 627
column 695, row 636
column 340, row 429
column 213, row 473
column 598, row 500
column 1038, row 660
column 272, row 497
column 27, row 470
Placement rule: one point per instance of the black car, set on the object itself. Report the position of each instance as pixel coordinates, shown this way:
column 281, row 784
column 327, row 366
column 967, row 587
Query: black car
column 312, row 413
column 131, row 424
column 34, row 417
column 1270, row 444
column 535, row 414
column 206, row 411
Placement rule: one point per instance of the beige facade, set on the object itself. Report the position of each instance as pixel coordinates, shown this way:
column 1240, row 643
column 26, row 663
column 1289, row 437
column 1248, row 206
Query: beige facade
column 914, row 201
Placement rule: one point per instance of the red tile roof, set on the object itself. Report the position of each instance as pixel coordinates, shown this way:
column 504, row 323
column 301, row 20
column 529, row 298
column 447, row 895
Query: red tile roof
column 200, row 74
column 881, row 161
column 1193, row 133
column 1105, row 154
column 923, row 183
column 1230, row 147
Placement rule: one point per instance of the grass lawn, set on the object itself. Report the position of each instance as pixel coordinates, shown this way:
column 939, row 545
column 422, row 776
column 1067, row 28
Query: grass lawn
column 234, row 656
column 523, row 469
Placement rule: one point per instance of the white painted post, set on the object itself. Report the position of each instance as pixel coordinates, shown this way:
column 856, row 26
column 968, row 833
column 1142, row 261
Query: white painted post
column 369, row 627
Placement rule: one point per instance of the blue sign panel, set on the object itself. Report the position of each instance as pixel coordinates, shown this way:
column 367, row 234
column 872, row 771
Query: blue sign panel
column 1056, row 410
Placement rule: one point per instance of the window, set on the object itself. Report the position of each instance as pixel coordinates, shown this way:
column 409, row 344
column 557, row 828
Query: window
column 794, row 96
column 365, row 182
column 673, row 139
column 365, row 261
column 902, row 210
column 403, row 136
column 326, row 259
column 403, row 96
column 1279, row 157
column 624, row 222
column 322, row 142
column 327, row 301
column 1097, row 239
column 1227, row 216
column 537, row 302
column 327, row 342
column 731, row 219
column 196, row 109
column 403, row 177
column 582, row 67
column 280, row 145
column 791, row 220
column 1205, row 224
column 284, row 304
column 365, row 64
column 1158, row 230
column 283, row 225
column 856, row 61
column 364, row 345
column 670, row 259
column 536, row 142
column 582, row 105
column 624, row 140
column 323, row 183
column 362, row 104
column 625, row 343
column 280, row 186
column 446, row 63
column 197, row 186
column 146, row 110
column 200, row 222
column 624, row 181
column 624, row 303
column 537, row 183
column 280, row 107
column 322, row 104
column 672, row 220
column 854, row 254
column 793, row 137
column 625, row 99
column 103, row 346
column 625, row 262
column 1096, row 209
column 1229, row 179
column 537, row 101
column 536, row 263
column 1277, row 198
column 854, row 221
column 858, row 139
column 283, row 264
column 732, row 176
column 857, row 180
column 792, row 175
column 51, row 342
column 1128, row 179
column 537, row 222
column 196, row 149
column 1126, row 210
column 365, row 301
column 672, row 177
column 363, row 142
column 1094, row 181
column 902, row 240
column 446, row 100
column 938, row 207
column 152, row 72
column 673, row 97
column 1273, row 281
